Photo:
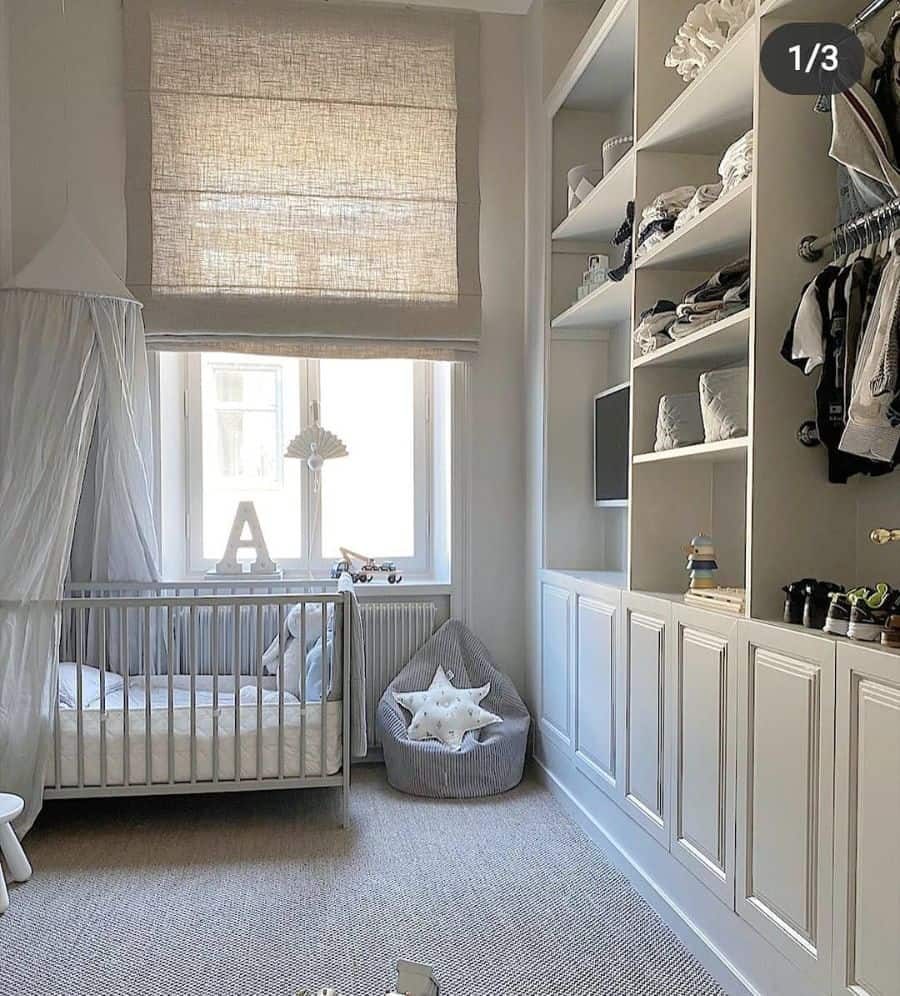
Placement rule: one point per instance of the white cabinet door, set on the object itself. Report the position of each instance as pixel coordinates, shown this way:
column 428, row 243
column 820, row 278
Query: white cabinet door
column 704, row 683
column 785, row 792
column 555, row 659
column 597, row 638
column 867, row 823
column 643, row 775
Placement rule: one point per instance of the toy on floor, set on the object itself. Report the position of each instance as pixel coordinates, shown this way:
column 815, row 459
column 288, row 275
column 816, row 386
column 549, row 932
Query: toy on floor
column 368, row 570
column 412, row 980
column 701, row 562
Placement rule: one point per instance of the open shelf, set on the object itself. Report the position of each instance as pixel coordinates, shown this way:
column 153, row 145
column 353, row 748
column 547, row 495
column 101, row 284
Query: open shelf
column 607, row 305
column 600, row 74
column 716, row 107
column 718, row 344
column 601, row 214
column 726, row 451
column 718, row 235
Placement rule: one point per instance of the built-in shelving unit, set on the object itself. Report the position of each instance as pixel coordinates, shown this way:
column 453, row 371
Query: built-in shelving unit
column 617, row 83
column 649, row 705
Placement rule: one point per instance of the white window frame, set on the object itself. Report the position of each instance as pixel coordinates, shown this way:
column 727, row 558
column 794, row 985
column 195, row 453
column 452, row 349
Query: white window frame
column 312, row 562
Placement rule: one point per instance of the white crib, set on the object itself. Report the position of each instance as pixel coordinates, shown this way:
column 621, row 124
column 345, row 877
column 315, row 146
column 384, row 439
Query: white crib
column 162, row 690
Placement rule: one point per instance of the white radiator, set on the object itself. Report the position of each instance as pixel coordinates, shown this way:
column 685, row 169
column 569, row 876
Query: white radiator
column 394, row 631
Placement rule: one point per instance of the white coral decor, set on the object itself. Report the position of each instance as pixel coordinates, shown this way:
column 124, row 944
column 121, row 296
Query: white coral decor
column 704, row 34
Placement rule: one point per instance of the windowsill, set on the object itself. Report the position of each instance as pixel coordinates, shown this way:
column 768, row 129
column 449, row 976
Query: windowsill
column 372, row 589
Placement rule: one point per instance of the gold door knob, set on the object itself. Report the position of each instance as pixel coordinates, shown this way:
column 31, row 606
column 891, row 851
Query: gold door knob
column 882, row 536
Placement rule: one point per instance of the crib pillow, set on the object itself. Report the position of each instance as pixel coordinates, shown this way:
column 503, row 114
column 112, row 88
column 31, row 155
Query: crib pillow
column 90, row 684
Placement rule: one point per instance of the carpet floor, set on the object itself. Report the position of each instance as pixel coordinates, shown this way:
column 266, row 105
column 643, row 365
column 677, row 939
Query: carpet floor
column 262, row 895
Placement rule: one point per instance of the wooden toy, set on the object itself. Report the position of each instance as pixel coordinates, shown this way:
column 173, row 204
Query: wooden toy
column 701, row 563
column 369, row 569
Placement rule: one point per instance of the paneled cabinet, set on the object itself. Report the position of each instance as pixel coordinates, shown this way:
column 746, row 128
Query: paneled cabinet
column 643, row 746
column 596, row 699
column 785, row 781
column 867, row 825
column 765, row 758
column 556, row 607
column 703, row 661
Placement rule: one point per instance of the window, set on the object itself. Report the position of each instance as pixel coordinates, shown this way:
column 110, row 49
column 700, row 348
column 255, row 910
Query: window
column 241, row 412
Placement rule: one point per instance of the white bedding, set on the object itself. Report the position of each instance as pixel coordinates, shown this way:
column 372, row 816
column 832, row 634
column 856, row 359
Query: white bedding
column 206, row 719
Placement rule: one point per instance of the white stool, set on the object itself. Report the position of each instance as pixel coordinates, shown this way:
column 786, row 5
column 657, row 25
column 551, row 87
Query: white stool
column 19, row 868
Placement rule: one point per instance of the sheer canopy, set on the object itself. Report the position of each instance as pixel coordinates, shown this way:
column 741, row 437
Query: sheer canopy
column 73, row 381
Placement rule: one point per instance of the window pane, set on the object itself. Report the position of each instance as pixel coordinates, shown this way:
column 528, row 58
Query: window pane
column 250, row 407
column 368, row 497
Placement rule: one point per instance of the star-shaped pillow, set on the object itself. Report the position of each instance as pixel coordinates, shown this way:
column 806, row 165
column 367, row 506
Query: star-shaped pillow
column 444, row 712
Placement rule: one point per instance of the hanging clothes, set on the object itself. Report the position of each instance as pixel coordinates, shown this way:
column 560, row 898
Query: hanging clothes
column 828, row 333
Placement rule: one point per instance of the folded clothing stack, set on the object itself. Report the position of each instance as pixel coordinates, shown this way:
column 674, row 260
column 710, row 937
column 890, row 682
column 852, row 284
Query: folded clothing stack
column 653, row 330
column 725, row 293
column 707, row 194
column 737, row 163
column 658, row 220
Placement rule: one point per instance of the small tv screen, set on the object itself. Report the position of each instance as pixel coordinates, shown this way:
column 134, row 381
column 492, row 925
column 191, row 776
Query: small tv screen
column 611, row 414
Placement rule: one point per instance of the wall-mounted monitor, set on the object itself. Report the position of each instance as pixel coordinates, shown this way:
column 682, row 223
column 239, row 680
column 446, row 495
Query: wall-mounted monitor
column 611, row 454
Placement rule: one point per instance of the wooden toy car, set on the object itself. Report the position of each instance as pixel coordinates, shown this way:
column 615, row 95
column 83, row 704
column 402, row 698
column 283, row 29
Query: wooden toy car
column 370, row 568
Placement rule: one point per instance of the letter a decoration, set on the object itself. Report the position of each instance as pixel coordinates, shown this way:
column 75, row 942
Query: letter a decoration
column 229, row 564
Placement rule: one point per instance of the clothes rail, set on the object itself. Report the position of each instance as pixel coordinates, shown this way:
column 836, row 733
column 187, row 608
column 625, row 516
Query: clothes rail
column 866, row 230
column 868, row 12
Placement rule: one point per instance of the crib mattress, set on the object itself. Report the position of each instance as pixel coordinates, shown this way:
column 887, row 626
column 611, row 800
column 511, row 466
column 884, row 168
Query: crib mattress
column 104, row 734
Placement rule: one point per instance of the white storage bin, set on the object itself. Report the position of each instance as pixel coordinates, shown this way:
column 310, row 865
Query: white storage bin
column 723, row 403
column 678, row 422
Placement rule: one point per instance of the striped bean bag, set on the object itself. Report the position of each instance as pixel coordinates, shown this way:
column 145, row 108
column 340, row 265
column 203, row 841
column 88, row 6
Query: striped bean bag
column 490, row 760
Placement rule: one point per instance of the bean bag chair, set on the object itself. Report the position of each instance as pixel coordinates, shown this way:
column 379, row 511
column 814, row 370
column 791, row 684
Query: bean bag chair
column 489, row 760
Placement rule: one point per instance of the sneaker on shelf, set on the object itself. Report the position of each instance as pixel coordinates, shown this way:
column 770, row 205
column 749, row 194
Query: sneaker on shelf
column 815, row 603
column 890, row 635
column 869, row 614
column 837, row 621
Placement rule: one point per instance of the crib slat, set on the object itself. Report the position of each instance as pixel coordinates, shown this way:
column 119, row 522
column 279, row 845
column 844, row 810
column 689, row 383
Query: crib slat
column 79, row 693
column 302, row 652
column 101, row 663
column 259, row 709
column 192, row 663
column 215, row 706
column 126, row 674
column 323, row 694
column 170, row 717
column 280, row 632
column 236, row 674
column 148, row 715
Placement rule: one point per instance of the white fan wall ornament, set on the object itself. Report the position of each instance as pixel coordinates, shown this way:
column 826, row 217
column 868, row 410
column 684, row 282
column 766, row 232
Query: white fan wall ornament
column 315, row 445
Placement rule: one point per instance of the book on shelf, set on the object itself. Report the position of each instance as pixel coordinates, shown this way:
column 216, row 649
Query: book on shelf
column 726, row 599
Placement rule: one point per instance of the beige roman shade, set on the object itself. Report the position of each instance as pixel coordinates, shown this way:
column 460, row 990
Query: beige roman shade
column 303, row 177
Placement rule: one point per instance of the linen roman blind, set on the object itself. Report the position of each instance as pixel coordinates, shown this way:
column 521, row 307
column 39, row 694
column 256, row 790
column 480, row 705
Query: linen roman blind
column 303, row 177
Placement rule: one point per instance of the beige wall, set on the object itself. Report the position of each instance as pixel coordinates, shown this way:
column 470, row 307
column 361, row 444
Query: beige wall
column 88, row 94
column 497, row 516
column 5, row 203
column 67, row 123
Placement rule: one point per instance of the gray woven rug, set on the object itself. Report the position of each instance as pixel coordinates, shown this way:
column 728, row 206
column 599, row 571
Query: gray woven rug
column 261, row 895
